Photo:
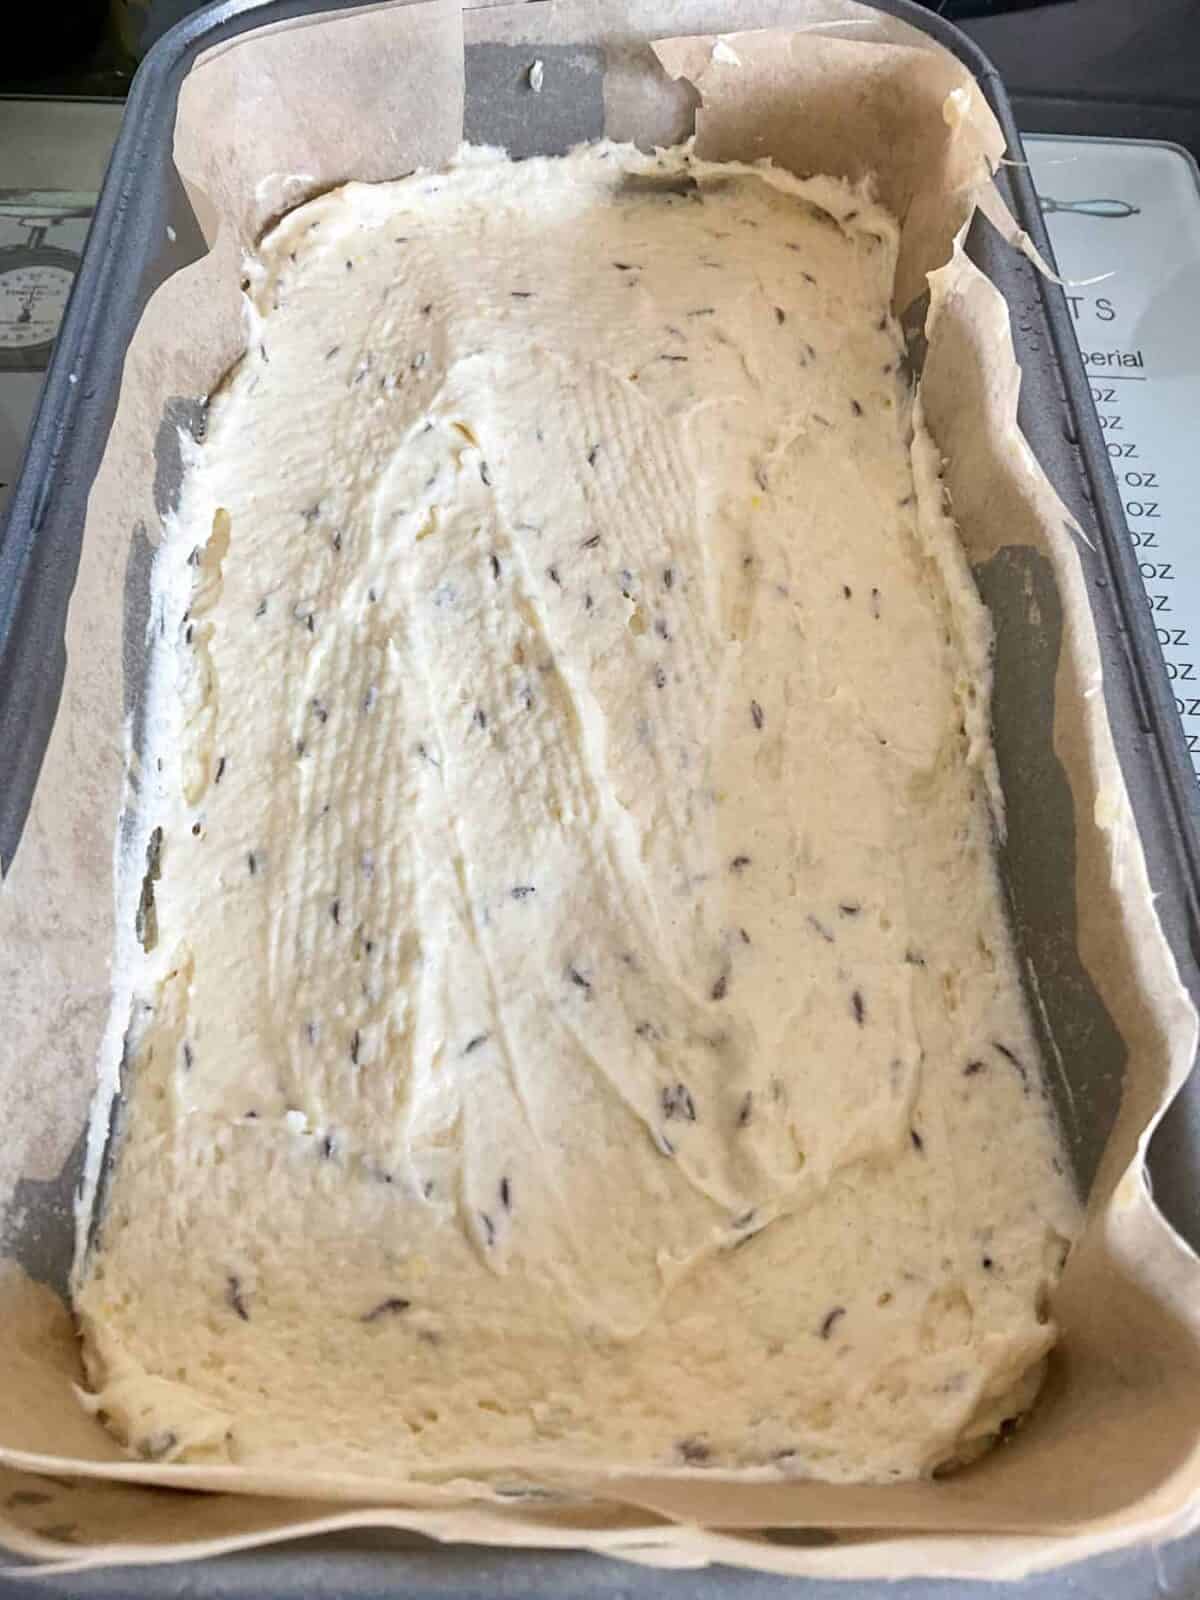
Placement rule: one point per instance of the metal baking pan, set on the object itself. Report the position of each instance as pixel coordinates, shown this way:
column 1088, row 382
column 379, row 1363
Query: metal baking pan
column 144, row 231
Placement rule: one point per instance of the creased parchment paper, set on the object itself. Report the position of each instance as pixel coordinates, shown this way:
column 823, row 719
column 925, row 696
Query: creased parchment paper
column 1112, row 1454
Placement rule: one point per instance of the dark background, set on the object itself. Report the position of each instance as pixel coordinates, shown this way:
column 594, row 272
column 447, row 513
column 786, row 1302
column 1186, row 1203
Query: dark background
column 1120, row 67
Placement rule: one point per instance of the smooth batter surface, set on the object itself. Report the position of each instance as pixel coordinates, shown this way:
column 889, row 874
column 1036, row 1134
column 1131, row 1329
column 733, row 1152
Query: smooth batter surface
column 580, row 1026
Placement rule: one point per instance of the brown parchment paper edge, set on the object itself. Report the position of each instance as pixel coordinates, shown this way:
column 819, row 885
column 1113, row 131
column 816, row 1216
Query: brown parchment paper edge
column 1127, row 1228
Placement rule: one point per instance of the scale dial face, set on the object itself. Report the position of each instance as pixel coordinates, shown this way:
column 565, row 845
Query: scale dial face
column 33, row 296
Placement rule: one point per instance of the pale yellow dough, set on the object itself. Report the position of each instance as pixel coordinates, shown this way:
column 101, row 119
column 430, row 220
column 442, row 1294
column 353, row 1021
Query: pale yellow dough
column 582, row 1028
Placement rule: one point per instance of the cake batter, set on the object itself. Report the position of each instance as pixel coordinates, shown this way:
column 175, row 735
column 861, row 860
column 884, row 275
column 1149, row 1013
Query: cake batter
column 575, row 1023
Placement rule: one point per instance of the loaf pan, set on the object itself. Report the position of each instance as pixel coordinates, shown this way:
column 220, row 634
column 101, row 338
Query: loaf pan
column 144, row 231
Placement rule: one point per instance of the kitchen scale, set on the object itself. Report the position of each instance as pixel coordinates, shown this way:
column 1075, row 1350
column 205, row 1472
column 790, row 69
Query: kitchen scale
column 35, row 280
column 35, row 277
column 52, row 159
column 1122, row 211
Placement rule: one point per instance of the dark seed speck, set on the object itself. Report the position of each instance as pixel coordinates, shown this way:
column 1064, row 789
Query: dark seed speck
column 234, row 1299
column 386, row 1308
column 677, row 1103
column 1014, row 1059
